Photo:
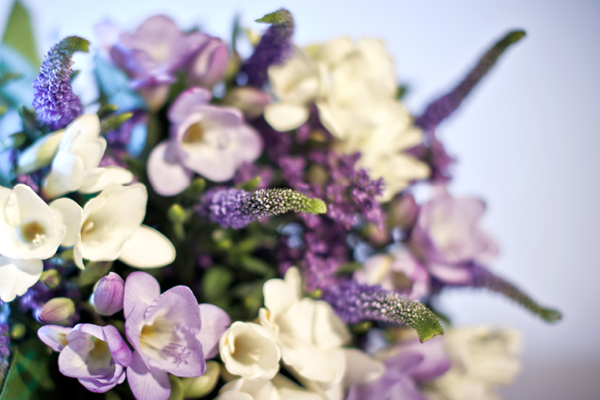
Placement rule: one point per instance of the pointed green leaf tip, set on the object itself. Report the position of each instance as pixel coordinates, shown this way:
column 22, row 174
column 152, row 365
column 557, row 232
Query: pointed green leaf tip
column 514, row 36
column 280, row 17
column 414, row 314
column 72, row 44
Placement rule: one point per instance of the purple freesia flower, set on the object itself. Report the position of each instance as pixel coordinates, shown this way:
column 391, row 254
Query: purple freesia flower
column 210, row 140
column 399, row 271
column 447, row 237
column 96, row 355
column 408, row 364
column 152, row 55
column 165, row 331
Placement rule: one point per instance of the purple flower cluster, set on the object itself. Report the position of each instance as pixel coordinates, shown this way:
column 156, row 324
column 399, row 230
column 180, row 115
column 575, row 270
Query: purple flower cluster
column 320, row 252
column 349, row 191
column 273, row 48
column 54, row 101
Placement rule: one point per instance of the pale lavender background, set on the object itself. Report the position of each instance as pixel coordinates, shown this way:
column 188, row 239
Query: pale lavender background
column 528, row 142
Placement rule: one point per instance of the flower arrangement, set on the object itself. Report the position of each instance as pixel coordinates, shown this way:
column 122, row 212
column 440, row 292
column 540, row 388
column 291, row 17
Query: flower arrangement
column 219, row 227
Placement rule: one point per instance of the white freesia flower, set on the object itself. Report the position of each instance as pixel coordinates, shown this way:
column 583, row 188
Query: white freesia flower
column 311, row 337
column 354, row 88
column 248, row 350
column 30, row 231
column 279, row 388
column 482, row 359
column 75, row 166
column 111, row 227
column 296, row 84
column 40, row 153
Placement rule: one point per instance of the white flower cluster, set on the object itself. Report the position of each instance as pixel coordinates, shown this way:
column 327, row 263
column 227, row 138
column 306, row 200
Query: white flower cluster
column 482, row 359
column 354, row 88
column 306, row 336
column 107, row 228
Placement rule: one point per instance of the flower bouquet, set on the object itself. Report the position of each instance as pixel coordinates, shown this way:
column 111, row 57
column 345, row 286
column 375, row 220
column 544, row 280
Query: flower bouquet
column 219, row 226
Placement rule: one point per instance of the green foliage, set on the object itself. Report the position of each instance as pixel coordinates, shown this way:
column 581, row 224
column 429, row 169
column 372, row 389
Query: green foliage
column 28, row 372
column 19, row 33
column 280, row 17
column 216, row 282
column 94, row 270
column 115, row 122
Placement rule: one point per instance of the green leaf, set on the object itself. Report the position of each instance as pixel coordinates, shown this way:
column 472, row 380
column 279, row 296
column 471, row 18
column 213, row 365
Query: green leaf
column 216, row 282
column 113, row 123
column 106, row 110
column 19, row 33
column 280, row 17
column 28, row 371
column 250, row 184
column 93, row 271
column 7, row 77
column 254, row 265
column 348, row 268
column 73, row 44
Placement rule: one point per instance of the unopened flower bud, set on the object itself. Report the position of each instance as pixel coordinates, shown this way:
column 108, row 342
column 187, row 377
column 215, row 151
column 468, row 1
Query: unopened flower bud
column 209, row 64
column 195, row 388
column 250, row 100
column 108, row 294
column 57, row 311
column 50, row 278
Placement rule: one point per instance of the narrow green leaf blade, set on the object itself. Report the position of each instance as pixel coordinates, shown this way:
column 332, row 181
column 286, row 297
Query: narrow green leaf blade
column 19, row 33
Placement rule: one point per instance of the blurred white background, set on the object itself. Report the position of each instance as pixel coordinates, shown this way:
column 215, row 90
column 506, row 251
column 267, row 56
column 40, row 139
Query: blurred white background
column 527, row 141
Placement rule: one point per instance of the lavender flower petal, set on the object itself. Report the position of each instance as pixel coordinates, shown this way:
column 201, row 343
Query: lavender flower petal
column 443, row 107
column 274, row 47
column 354, row 302
column 54, row 100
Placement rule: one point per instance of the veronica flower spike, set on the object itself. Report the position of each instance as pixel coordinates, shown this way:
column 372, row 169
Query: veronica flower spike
column 165, row 331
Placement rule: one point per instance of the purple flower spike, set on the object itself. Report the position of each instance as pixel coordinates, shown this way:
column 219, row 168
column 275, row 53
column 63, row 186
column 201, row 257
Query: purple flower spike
column 273, row 48
column 481, row 277
column 108, row 294
column 443, row 107
column 237, row 208
column 97, row 356
column 165, row 331
column 354, row 303
column 54, row 101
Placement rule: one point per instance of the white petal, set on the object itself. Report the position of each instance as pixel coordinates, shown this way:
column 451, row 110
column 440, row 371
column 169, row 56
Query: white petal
column 107, row 176
column 329, row 330
column 167, row 179
column 360, row 367
column 90, row 150
column 286, row 116
column 69, row 213
column 110, row 219
column 40, row 153
column 16, row 276
column 86, row 126
column 147, row 248
column 66, row 174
